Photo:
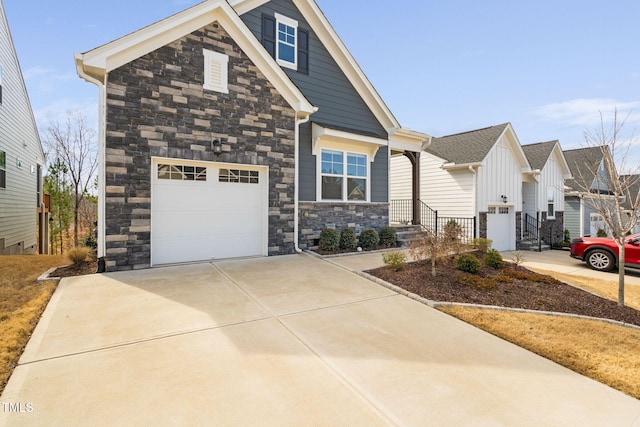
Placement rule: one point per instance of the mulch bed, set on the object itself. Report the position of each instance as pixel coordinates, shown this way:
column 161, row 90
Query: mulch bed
column 531, row 291
column 87, row 267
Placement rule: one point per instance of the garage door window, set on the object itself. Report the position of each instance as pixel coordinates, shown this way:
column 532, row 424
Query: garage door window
column 500, row 210
column 182, row 173
column 239, row 176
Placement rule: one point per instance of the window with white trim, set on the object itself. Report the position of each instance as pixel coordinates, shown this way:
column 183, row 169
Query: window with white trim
column 286, row 41
column 216, row 71
column 340, row 183
column 551, row 195
column 239, row 176
column 182, row 172
column 3, row 169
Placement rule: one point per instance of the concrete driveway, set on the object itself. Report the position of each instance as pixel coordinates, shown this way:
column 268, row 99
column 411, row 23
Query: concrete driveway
column 289, row 340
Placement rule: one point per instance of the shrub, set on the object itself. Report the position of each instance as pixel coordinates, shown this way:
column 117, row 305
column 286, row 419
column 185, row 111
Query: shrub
column 397, row 260
column 482, row 244
column 502, row 278
column 387, row 236
column 369, row 239
column 468, row 263
column 529, row 275
column 348, row 239
column 477, row 282
column 567, row 235
column 601, row 233
column 329, row 240
column 78, row 254
column 493, row 259
column 90, row 242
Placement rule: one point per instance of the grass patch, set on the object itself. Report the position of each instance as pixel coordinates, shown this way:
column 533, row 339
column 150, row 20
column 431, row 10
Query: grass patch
column 606, row 289
column 22, row 301
column 605, row 352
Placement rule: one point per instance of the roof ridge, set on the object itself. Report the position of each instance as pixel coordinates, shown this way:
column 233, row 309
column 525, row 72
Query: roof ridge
column 472, row 131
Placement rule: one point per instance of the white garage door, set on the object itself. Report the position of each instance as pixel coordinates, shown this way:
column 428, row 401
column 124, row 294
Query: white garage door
column 204, row 211
column 501, row 227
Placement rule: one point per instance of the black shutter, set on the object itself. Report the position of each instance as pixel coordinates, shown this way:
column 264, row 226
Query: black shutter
column 269, row 34
column 303, row 51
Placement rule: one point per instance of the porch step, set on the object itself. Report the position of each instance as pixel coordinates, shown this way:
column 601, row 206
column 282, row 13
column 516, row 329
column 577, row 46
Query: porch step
column 526, row 245
column 407, row 234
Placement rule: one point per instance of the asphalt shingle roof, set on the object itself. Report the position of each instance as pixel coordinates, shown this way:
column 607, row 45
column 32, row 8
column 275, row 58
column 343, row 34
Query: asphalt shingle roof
column 583, row 162
column 539, row 153
column 466, row 147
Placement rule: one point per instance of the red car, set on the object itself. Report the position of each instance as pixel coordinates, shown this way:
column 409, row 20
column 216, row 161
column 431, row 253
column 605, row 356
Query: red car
column 601, row 253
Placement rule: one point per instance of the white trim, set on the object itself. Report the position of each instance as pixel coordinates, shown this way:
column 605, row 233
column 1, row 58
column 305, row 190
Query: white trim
column 345, row 177
column 216, row 71
column 341, row 140
column 281, row 19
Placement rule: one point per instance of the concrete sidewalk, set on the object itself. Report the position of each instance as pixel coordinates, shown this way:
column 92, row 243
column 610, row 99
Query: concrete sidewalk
column 290, row 340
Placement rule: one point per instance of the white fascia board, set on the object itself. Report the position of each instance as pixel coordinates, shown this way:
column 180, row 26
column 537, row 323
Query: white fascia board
column 456, row 166
column 404, row 139
column 517, row 150
column 331, row 138
column 564, row 166
column 329, row 38
column 100, row 61
column 244, row 6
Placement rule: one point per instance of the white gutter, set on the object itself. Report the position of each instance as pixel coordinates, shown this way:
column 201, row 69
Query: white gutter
column 454, row 166
column 475, row 187
column 296, row 174
column 102, row 102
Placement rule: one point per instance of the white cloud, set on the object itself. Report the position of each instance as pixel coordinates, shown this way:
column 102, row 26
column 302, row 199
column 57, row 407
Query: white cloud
column 587, row 112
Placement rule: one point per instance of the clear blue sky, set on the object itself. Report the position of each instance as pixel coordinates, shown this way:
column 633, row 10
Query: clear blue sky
column 442, row 67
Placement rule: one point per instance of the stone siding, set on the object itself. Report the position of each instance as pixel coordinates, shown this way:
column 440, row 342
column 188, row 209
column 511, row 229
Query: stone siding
column 315, row 217
column 156, row 106
column 552, row 230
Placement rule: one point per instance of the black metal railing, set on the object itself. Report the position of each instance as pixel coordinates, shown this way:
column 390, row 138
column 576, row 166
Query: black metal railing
column 401, row 212
column 532, row 230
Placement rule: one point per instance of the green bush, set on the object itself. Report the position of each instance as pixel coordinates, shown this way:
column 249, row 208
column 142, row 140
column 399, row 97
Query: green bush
column 387, row 236
column 567, row 235
column 369, row 239
column 493, row 259
column 90, row 242
column 396, row 260
column 482, row 244
column 468, row 263
column 329, row 240
column 601, row 233
column 348, row 239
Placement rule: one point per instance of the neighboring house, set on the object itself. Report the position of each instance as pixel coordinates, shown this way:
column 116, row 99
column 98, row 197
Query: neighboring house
column 236, row 128
column 21, row 156
column 580, row 218
column 471, row 174
column 543, row 192
column 633, row 181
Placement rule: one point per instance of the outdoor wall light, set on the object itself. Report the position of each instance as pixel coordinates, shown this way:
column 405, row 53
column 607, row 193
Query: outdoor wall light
column 216, row 146
column 504, row 199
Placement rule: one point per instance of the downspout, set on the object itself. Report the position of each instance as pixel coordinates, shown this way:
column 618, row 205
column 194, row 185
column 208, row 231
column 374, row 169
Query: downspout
column 296, row 174
column 102, row 101
column 475, row 197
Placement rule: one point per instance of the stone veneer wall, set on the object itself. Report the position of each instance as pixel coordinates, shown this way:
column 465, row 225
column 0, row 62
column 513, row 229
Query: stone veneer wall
column 315, row 217
column 156, row 106
column 552, row 229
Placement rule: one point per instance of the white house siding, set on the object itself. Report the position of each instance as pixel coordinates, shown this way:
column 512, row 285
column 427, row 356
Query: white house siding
column 500, row 176
column 400, row 186
column 19, row 139
column 448, row 192
column 529, row 190
column 552, row 179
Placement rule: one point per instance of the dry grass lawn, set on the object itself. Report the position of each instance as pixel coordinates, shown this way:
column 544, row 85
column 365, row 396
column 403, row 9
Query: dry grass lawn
column 607, row 289
column 22, row 302
column 604, row 352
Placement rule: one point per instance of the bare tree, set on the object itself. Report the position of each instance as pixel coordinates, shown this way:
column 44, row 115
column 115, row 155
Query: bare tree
column 73, row 144
column 436, row 246
column 612, row 183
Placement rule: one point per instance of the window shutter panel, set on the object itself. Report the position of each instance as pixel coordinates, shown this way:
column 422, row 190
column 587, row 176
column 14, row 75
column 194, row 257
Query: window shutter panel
column 269, row 34
column 303, row 51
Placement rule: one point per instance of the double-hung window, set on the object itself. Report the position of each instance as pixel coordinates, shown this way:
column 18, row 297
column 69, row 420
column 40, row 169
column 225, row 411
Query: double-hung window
column 340, row 183
column 551, row 203
column 286, row 41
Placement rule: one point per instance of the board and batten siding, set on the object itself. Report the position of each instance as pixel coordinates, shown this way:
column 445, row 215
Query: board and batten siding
column 551, row 178
column 451, row 193
column 19, row 139
column 500, row 175
column 529, row 198
column 339, row 104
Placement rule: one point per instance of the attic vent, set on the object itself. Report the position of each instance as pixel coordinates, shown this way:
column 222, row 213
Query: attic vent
column 216, row 71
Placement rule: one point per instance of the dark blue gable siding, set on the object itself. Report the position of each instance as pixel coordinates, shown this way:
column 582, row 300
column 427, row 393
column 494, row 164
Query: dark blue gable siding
column 327, row 88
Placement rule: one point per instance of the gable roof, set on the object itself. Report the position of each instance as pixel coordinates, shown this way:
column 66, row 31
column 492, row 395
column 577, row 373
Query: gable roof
column 583, row 163
column 633, row 182
column 467, row 147
column 539, row 153
column 95, row 64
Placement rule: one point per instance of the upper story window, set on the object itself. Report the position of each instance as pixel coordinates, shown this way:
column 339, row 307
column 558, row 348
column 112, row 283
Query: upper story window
column 340, row 183
column 285, row 42
column 3, row 169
